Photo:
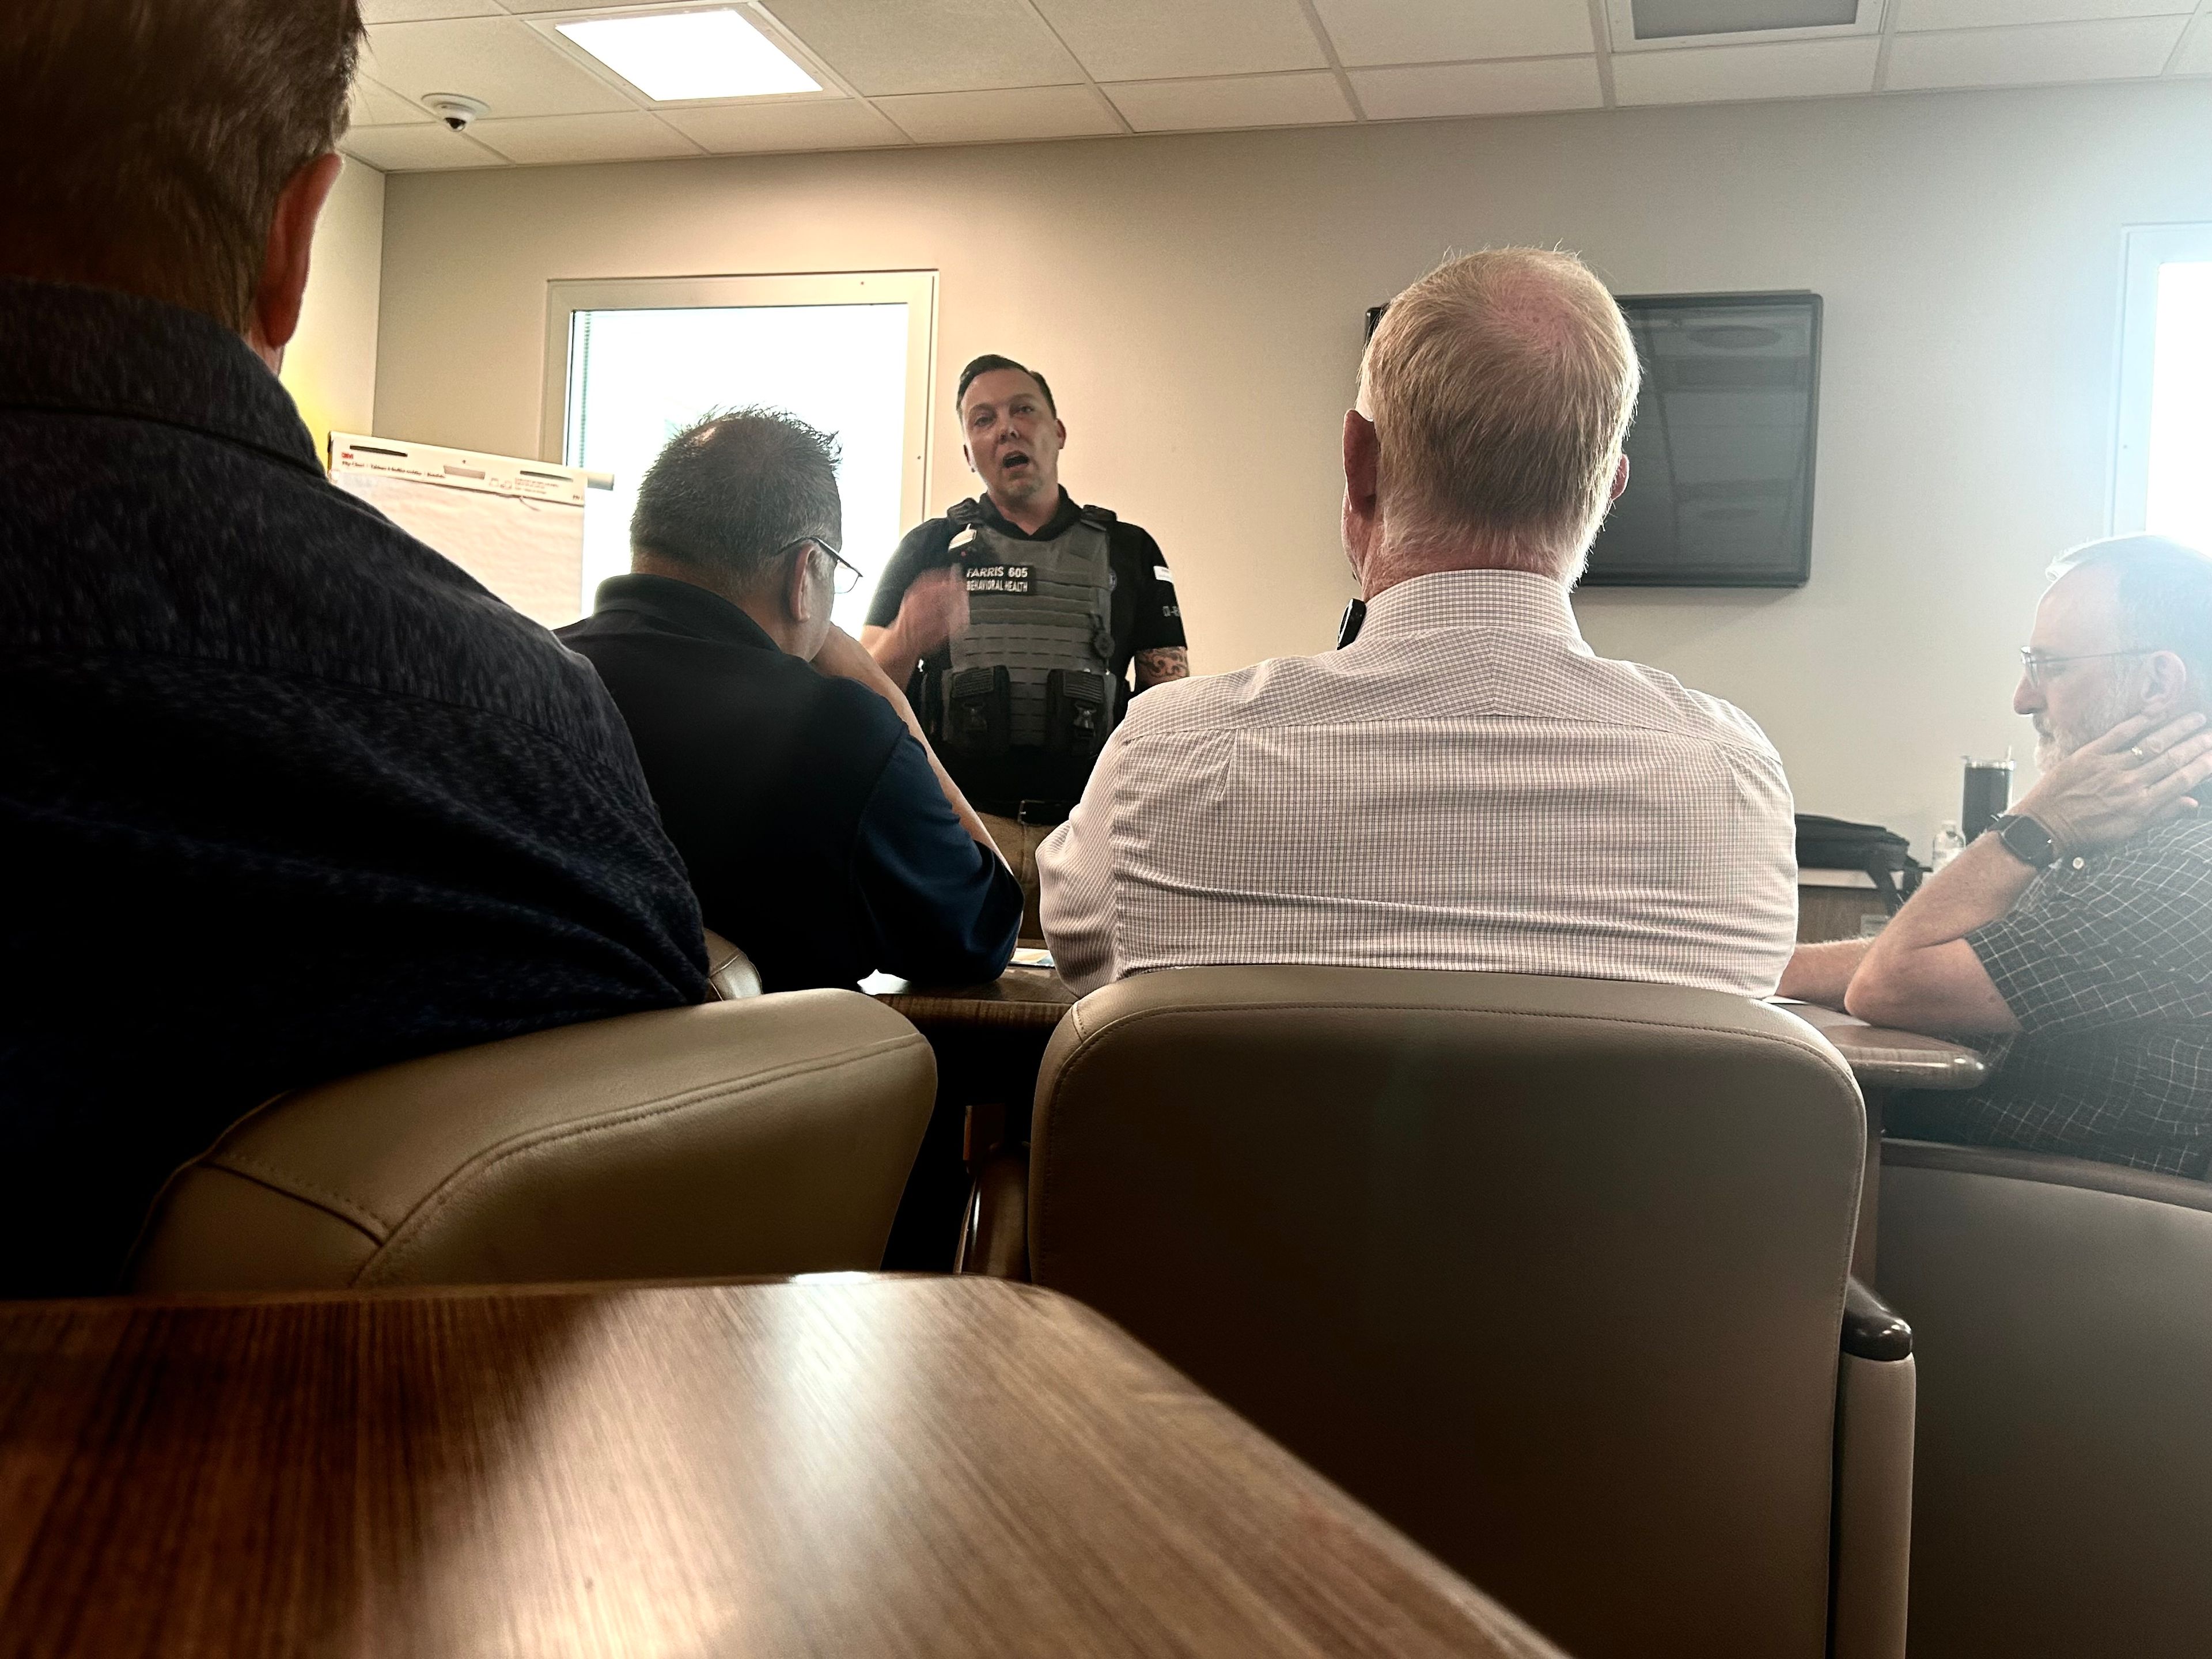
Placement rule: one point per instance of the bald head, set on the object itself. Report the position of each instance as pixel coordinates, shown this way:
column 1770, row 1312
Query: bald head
column 1500, row 386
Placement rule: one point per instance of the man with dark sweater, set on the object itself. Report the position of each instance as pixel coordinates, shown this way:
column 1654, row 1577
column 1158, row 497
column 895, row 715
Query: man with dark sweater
column 285, row 795
column 822, row 835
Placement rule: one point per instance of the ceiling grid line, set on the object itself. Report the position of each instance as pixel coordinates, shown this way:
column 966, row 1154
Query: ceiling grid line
column 2181, row 43
column 2035, row 26
column 1327, row 42
column 1601, row 32
column 845, row 83
column 1081, row 68
column 1888, row 40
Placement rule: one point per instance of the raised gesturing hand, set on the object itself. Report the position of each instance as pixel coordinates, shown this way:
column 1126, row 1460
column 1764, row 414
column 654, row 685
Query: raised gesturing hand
column 934, row 611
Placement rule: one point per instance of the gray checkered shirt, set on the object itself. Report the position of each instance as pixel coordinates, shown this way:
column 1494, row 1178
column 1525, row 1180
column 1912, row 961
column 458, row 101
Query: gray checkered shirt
column 1468, row 785
column 2106, row 963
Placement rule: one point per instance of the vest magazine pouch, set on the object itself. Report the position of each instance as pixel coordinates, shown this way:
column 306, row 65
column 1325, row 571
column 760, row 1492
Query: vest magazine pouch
column 931, row 712
column 978, row 702
column 1078, row 711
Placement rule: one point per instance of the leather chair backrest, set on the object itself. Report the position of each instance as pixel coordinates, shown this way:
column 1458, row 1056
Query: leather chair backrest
column 768, row 1136
column 1549, row 1272
column 730, row 972
column 2062, row 1314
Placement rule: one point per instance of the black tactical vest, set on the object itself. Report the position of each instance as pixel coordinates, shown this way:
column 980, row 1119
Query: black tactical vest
column 1035, row 668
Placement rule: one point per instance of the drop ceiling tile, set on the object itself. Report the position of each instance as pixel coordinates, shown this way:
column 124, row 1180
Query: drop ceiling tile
column 414, row 11
column 1520, row 88
column 962, row 118
column 929, row 45
column 373, row 106
column 1244, row 101
column 820, row 124
column 415, row 150
column 1915, row 17
column 2024, row 56
column 632, row 136
column 2195, row 57
column 1145, row 40
column 1722, row 74
column 502, row 61
column 1441, row 31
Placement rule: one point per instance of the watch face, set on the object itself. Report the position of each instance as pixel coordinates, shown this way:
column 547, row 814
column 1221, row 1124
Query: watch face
column 2027, row 838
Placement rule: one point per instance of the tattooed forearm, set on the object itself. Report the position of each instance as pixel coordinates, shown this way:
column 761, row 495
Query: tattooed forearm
column 1162, row 664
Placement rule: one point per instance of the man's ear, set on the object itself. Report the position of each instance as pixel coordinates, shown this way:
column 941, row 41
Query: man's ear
column 1362, row 457
column 1059, row 430
column 799, row 587
column 277, row 297
column 968, row 456
column 1620, row 481
column 2166, row 684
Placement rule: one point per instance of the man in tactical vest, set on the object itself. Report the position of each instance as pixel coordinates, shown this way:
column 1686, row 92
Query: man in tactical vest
column 1015, row 617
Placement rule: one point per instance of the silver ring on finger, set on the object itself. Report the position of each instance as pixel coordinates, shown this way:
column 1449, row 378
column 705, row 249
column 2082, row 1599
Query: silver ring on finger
column 2141, row 757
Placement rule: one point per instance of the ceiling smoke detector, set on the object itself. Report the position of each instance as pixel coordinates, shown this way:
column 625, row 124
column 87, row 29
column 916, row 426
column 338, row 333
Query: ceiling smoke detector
column 455, row 110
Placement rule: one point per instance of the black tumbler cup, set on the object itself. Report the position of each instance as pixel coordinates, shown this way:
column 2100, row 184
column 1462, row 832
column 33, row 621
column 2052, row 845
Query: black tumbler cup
column 1988, row 792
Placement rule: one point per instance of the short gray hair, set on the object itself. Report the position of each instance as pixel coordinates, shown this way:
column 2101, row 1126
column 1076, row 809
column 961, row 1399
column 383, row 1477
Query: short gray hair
column 2165, row 589
column 735, row 488
column 143, row 143
column 1501, row 386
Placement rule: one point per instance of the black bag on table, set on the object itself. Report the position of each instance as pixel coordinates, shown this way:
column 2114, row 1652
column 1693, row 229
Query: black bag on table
column 1839, row 844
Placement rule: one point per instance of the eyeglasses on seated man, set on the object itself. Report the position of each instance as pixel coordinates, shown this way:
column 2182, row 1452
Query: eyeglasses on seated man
column 2074, row 938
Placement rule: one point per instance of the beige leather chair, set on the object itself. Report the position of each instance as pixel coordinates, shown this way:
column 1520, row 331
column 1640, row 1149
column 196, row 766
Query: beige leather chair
column 1551, row 1272
column 730, row 971
column 770, row 1135
column 2064, row 1501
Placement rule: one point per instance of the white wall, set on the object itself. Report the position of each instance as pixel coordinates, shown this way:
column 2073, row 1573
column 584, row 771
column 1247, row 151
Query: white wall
column 330, row 367
column 1196, row 301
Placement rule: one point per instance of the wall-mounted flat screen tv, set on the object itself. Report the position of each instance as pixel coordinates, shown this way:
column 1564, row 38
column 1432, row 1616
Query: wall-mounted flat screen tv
column 1720, row 458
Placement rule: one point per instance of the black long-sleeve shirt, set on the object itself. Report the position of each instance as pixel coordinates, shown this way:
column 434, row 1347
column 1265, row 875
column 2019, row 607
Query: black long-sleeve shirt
column 808, row 815
column 283, row 794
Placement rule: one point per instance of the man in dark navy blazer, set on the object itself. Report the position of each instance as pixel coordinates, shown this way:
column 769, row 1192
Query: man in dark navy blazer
column 283, row 794
column 822, row 835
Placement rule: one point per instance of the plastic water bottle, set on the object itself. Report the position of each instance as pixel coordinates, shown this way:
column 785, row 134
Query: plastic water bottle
column 1949, row 843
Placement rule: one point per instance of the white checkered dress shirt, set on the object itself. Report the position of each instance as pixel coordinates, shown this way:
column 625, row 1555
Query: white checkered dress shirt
column 1468, row 785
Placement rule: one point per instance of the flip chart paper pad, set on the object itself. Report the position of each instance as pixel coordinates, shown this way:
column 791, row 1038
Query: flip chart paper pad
column 516, row 525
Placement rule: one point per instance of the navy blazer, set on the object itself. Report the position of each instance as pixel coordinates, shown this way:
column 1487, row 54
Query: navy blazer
column 283, row 794
column 816, row 834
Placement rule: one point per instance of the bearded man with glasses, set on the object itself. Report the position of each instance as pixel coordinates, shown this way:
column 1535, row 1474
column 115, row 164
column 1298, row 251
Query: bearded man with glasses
column 2074, row 938
column 821, row 834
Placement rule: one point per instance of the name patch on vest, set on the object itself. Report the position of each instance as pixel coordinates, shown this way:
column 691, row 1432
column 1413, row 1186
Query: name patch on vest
column 999, row 578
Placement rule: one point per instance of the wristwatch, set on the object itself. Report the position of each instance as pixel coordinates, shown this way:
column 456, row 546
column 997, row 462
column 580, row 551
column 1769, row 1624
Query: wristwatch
column 2026, row 841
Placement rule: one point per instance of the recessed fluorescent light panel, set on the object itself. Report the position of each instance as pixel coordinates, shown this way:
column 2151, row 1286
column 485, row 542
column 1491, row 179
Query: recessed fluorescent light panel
column 1645, row 23
column 671, row 56
column 1665, row 20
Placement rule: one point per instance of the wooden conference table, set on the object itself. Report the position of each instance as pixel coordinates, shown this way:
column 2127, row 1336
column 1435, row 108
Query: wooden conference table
column 990, row 1038
column 1030, row 1001
column 856, row 1466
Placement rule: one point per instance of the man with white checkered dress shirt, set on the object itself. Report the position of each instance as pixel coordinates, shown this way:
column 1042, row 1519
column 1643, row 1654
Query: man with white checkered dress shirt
column 1467, row 786
column 2074, row 936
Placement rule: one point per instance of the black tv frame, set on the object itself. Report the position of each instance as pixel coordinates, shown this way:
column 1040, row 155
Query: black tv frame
column 1801, row 571
column 1694, row 577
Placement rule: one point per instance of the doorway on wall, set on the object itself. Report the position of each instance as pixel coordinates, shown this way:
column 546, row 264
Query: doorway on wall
column 630, row 364
column 2162, row 479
